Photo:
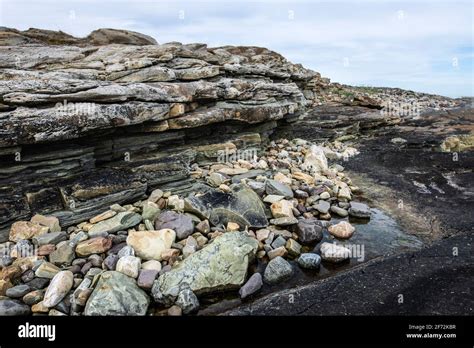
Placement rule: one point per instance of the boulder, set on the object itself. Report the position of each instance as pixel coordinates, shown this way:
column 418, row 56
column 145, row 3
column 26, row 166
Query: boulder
column 221, row 265
column 116, row 294
column 242, row 205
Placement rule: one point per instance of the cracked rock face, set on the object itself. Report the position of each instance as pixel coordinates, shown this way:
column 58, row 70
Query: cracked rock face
column 221, row 265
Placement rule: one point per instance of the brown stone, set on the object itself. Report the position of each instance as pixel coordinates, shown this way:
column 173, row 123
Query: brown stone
column 26, row 230
column 93, row 246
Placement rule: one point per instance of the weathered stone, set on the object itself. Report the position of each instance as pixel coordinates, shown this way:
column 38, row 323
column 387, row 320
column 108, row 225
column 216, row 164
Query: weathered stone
column 277, row 270
column 309, row 231
column 273, row 198
column 151, row 265
column 26, row 230
column 60, row 285
column 47, row 270
column 273, row 187
column 281, row 209
column 359, row 210
column 13, row 308
column 103, row 216
column 293, row 247
column 63, row 255
column 181, row 224
column 93, row 246
column 150, row 210
column 51, row 222
column 342, row 230
column 129, row 265
column 242, row 206
column 175, row 311
column 110, row 262
column 188, row 301
column 309, row 261
column 33, row 297
column 339, row 211
column 284, row 221
column 146, row 278
column 322, row 207
column 220, row 265
column 315, row 159
column 253, row 284
column 18, row 291
column 280, row 251
column 116, row 294
column 149, row 245
column 49, row 238
column 278, row 242
column 334, row 253
column 119, row 222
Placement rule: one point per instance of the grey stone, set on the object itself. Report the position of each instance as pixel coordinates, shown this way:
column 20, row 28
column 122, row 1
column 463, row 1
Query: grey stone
column 322, row 207
column 18, row 291
column 121, row 221
column 339, row 211
column 63, row 255
column 116, row 294
column 146, row 278
column 277, row 270
column 359, row 210
column 180, row 223
column 187, row 301
column 284, row 221
column 13, row 308
column 110, row 262
column 309, row 261
column 278, row 242
column 274, row 187
column 253, row 284
column 49, row 238
column 309, row 231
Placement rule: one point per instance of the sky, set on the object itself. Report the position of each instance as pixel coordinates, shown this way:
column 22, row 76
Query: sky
column 425, row 46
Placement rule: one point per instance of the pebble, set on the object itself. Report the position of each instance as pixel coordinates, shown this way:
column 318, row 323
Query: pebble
column 18, row 291
column 273, row 198
column 309, row 231
column 151, row 265
column 146, row 278
column 51, row 222
column 280, row 251
column 284, row 221
column 13, row 308
column 253, row 284
column 129, row 265
column 334, row 253
column 339, row 211
column 278, row 242
column 309, row 261
column 110, row 262
column 50, row 238
column 342, row 230
column 175, row 311
column 60, row 285
column 274, row 187
column 93, row 246
column 322, row 207
column 187, row 301
column 277, row 270
column 359, row 210
column 47, row 270
column 293, row 247
column 33, row 297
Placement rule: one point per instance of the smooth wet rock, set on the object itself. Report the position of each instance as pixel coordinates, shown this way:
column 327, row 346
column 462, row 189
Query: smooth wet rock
column 150, row 244
column 242, row 205
column 59, row 287
column 93, row 246
column 253, row 284
column 273, row 187
column 180, row 223
column 322, row 207
column 309, row 231
column 334, row 253
column 309, row 261
column 359, row 210
column 116, row 294
column 339, row 211
column 119, row 222
column 13, row 308
column 342, row 230
column 18, row 291
column 220, row 265
column 129, row 265
column 26, row 230
column 277, row 271
column 187, row 301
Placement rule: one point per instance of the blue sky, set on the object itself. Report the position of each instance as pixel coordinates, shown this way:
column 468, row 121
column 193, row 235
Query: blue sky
column 420, row 45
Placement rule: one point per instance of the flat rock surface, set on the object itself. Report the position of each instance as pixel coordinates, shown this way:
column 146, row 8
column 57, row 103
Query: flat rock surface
column 432, row 281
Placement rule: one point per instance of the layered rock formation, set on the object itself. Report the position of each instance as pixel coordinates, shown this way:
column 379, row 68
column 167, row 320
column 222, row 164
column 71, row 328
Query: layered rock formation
column 85, row 123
